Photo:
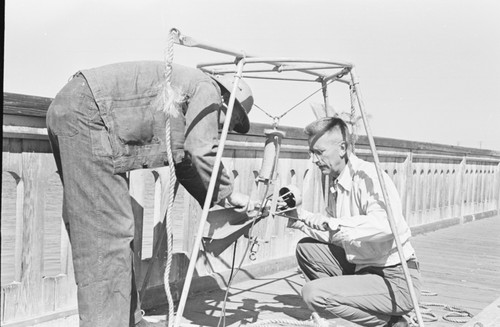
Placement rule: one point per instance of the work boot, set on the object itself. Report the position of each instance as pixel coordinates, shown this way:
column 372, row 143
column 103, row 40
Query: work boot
column 397, row 321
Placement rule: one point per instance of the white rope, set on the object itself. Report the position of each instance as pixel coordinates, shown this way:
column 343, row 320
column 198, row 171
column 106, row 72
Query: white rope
column 455, row 315
column 314, row 321
column 171, row 107
column 283, row 322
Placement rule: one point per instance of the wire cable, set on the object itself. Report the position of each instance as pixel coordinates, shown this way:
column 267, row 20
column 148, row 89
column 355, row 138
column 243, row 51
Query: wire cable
column 293, row 107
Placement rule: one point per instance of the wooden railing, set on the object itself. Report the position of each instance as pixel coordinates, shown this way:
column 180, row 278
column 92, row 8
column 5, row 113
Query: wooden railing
column 440, row 185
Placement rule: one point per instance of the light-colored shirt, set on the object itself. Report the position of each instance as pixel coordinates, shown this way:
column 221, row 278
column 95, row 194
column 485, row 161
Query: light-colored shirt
column 357, row 202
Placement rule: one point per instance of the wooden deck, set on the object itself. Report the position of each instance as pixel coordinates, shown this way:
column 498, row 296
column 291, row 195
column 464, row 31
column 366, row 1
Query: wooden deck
column 459, row 264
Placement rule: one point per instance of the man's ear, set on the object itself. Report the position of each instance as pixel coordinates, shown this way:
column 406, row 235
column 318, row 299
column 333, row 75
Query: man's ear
column 343, row 149
column 225, row 96
column 221, row 114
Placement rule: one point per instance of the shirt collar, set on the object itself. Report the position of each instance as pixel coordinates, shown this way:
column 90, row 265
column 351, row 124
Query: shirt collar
column 347, row 174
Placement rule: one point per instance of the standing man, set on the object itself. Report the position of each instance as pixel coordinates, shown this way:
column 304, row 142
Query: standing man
column 109, row 120
column 350, row 259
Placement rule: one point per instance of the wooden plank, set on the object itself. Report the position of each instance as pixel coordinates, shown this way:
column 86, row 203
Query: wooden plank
column 22, row 120
column 10, row 299
column 407, row 187
column 470, row 266
column 11, row 162
column 424, row 191
column 48, row 294
column 455, row 257
column 11, row 145
column 423, row 146
column 440, row 194
column 453, row 287
column 26, row 144
column 63, row 318
column 456, row 254
column 490, row 184
column 489, row 317
column 31, row 253
column 461, row 187
column 488, row 253
column 27, row 105
column 2, row 304
column 62, row 291
column 461, row 278
column 464, row 297
column 480, row 246
column 18, row 249
column 473, row 190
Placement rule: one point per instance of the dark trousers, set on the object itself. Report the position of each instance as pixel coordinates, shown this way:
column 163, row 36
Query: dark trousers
column 368, row 297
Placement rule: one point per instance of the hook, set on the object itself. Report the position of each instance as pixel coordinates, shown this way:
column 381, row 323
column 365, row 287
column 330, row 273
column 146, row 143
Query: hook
column 276, row 122
column 254, row 248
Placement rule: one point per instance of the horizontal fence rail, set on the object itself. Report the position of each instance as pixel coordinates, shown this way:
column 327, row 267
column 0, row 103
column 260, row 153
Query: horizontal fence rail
column 440, row 185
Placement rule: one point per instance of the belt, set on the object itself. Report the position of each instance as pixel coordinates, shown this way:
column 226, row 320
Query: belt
column 412, row 264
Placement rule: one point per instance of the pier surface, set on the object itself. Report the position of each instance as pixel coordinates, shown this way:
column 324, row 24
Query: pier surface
column 460, row 267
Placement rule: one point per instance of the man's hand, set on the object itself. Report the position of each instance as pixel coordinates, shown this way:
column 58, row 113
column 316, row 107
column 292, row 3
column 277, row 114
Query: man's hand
column 295, row 221
column 322, row 223
column 241, row 202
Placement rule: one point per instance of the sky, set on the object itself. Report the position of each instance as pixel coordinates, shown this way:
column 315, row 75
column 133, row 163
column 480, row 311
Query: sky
column 428, row 70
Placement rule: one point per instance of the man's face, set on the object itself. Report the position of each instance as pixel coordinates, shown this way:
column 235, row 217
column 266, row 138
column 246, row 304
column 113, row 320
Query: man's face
column 236, row 115
column 222, row 118
column 328, row 153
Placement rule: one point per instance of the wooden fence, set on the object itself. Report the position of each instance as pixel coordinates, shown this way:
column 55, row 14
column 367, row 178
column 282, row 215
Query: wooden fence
column 440, row 185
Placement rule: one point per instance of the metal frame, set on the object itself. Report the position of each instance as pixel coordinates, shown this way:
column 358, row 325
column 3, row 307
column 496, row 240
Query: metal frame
column 280, row 65
column 283, row 64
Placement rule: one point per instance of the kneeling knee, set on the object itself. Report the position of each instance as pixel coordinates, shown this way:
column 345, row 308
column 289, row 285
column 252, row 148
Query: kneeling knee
column 311, row 295
column 303, row 248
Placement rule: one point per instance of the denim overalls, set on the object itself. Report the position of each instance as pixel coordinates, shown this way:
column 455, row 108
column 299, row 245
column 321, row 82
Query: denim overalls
column 105, row 122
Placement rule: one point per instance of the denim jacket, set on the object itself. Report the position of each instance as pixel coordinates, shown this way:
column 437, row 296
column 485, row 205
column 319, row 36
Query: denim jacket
column 127, row 95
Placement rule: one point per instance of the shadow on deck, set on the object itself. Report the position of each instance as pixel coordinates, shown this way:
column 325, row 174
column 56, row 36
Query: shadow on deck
column 459, row 266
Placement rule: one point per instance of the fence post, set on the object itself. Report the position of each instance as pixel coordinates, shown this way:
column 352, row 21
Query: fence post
column 34, row 175
column 461, row 189
column 496, row 190
column 406, row 197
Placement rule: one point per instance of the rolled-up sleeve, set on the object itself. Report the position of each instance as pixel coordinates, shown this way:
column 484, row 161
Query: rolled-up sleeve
column 201, row 145
column 326, row 236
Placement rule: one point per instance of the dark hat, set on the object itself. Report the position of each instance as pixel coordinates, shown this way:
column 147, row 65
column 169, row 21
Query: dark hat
column 244, row 99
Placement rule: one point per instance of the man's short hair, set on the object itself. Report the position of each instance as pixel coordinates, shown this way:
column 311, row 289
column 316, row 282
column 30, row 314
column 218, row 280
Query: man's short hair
column 323, row 125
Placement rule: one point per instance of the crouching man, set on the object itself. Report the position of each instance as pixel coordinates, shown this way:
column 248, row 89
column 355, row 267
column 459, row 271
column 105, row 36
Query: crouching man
column 352, row 267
